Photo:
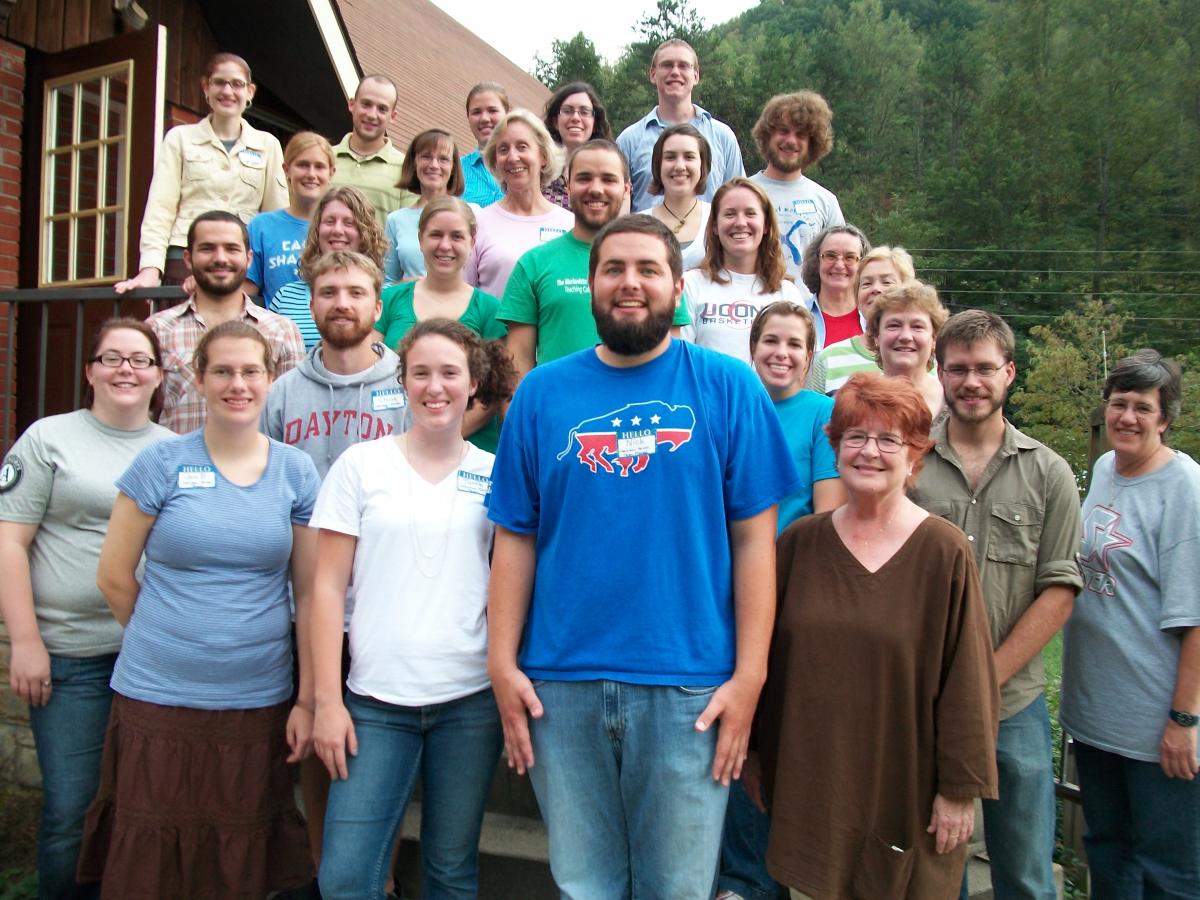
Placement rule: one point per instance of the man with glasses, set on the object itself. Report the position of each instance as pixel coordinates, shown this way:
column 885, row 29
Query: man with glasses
column 674, row 71
column 1018, row 503
column 218, row 255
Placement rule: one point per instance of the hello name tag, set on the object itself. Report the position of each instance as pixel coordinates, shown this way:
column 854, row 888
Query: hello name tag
column 388, row 398
column 470, row 483
column 196, row 477
column 635, row 444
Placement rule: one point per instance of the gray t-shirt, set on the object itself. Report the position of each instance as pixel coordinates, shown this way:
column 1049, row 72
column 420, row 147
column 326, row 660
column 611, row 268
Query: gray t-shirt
column 803, row 208
column 1140, row 560
column 61, row 474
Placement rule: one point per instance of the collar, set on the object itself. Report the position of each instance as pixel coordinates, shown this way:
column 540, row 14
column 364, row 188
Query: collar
column 388, row 152
column 250, row 136
column 1013, row 441
column 701, row 115
column 250, row 309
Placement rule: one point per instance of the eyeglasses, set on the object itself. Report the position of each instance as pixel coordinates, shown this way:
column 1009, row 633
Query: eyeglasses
column 113, row 360
column 668, row 65
column 584, row 112
column 221, row 83
column 850, row 259
column 1120, row 407
column 887, row 443
column 960, row 372
column 226, row 373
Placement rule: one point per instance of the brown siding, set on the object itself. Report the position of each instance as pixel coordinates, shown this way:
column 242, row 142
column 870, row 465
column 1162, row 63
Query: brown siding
column 434, row 61
column 12, row 107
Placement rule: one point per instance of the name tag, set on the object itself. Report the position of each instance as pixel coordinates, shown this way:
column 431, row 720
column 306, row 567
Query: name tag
column 196, row 477
column 388, row 398
column 804, row 207
column 546, row 233
column 250, row 157
column 635, row 445
column 470, row 483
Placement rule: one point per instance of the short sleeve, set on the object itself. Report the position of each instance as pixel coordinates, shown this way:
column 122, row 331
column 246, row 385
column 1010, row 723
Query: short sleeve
column 471, row 271
column 339, row 503
column 687, row 304
column 683, row 316
column 308, row 484
column 391, row 261
column 835, row 212
column 824, row 458
column 1179, row 561
column 759, row 470
column 491, row 327
column 520, row 303
column 147, row 481
column 514, row 502
column 27, row 479
column 816, row 373
column 254, row 272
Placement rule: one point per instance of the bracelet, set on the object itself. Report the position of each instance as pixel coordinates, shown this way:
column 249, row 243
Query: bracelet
column 1184, row 719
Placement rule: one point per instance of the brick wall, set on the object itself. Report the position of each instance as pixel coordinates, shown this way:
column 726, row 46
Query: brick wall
column 18, row 764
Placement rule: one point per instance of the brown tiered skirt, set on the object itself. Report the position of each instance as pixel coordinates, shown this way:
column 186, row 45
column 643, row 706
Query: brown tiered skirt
column 194, row 804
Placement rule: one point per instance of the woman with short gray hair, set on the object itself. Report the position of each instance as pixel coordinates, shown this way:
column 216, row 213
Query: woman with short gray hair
column 1131, row 659
column 830, row 272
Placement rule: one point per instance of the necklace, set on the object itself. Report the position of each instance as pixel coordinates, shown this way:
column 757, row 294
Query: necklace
column 438, row 553
column 682, row 221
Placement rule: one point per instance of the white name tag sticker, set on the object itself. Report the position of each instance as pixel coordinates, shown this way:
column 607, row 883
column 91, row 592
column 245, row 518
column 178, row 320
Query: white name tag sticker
column 804, row 207
column 190, row 477
column 388, row 398
column 635, row 444
column 470, row 483
column 250, row 157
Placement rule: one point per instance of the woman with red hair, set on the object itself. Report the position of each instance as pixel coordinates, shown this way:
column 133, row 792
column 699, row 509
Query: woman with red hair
column 877, row 726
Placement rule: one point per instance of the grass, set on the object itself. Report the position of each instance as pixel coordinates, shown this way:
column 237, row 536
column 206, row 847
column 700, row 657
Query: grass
column 18, row 843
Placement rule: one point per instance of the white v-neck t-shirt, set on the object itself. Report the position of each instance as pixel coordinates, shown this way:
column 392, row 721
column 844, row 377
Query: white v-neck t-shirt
column 418, row 633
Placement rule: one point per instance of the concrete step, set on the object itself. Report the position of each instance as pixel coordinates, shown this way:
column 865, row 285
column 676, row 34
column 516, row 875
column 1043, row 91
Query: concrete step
column 979, row 874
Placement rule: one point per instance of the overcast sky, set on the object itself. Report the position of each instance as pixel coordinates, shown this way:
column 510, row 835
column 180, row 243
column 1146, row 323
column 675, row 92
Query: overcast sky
column 520, row 29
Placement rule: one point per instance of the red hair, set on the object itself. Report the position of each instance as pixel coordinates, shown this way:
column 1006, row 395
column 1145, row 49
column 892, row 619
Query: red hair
column 893, row 401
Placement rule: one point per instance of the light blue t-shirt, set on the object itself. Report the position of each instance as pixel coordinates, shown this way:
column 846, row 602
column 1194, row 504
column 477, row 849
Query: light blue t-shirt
column 803, row 417
column 480, row 187
column 292, row 300
column 629, row 478
column 277, row 239
column 403, row 258
column 211, row 628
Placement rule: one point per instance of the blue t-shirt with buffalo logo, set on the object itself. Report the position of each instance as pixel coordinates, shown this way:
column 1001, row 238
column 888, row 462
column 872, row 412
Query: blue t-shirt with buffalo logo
column 630, row 478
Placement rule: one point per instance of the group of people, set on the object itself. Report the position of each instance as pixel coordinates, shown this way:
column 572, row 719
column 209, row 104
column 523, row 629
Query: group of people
column 750, row 574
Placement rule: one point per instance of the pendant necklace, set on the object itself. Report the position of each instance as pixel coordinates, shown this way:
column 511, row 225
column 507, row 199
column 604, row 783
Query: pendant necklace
column 682, row 221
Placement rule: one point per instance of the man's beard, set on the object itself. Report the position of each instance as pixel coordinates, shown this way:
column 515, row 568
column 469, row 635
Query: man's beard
column 633, row 338
column 216, row 288
column 341, row 336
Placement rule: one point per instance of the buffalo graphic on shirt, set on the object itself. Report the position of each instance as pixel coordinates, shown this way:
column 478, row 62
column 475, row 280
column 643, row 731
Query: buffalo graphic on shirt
column 629, row 436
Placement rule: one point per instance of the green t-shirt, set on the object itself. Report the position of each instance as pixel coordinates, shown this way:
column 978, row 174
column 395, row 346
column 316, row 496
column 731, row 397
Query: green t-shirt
column 399, row 316
column 548, row 288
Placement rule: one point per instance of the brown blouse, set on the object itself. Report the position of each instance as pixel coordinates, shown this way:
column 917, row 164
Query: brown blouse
column 880, row 693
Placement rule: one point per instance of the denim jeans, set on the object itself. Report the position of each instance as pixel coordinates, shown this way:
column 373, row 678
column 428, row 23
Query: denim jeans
column 1019, row 827
column 624, row 782
column 454, row 747
column 69, row 735
column 1143, row 828
column 744, row 851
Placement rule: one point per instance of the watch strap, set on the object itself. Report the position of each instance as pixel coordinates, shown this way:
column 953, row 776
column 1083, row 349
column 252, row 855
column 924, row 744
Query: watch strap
column 1184, row 719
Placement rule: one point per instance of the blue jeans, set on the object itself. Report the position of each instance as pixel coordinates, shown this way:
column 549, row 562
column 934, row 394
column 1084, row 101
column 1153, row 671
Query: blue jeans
column 624, row 782
column 454, row 747
column 1019, row 827
column 744, row 851
column 69, row 735
column 1143, row 828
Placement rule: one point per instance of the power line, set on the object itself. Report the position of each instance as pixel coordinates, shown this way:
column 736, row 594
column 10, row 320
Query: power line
column 1106, row 273
column 1027, row 250
column 1078, row 293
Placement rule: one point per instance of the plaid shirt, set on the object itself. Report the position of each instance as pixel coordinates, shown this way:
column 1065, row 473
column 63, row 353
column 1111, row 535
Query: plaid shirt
column 179, row 330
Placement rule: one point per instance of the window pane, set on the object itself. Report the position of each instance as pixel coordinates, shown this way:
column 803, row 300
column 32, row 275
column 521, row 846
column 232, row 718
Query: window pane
column 58, row 183
column 89, row 178
column 64, row 117
column 60, row 236
column 89, row 112
column 110, row 263
column 85, row 247
column 118, row 106
column 114, row 174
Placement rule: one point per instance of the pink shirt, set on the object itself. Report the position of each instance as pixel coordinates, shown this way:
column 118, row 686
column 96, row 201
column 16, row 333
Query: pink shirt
column 500, row 240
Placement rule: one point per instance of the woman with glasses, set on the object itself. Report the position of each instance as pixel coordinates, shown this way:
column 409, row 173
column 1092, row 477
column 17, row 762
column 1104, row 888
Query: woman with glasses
column 877, row 725
column 829, row 270
column 221, row 162
column 1131, row 651
column 742, row 271
column 574, row 115
column 195, row 796
column 56, row 494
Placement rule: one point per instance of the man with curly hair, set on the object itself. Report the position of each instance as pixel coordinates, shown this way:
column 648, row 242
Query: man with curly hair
column 794, row 132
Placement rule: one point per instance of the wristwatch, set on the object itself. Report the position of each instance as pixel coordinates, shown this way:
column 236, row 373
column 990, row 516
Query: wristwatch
column 1187, row 720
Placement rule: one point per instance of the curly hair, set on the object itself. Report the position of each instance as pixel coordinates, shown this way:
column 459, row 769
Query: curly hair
column 371, row 242
column 769, row 266
column 488, row 362
column 807, row 112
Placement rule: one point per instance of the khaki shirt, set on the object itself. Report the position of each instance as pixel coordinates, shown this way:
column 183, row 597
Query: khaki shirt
column 1022, row 522
column 376, row 176
column 194, row 173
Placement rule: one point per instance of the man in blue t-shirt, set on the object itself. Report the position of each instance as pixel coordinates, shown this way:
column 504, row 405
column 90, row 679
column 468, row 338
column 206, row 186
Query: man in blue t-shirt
column 635, row 492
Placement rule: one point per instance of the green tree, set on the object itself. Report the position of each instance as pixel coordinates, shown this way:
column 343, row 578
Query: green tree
column 573, row 60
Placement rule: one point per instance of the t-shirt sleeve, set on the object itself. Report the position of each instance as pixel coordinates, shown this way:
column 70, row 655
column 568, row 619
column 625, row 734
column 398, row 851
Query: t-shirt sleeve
column 258, row 240
column 1062, row 531
column 339, row 503
column 491, row 328
column 471, row 271
column 520, row 303
column 835, row 212
column 1179, row 560
column 514, row 502
column 816, row 374
column 28, row 479
column 308, row 484
column 687, row 305
column 148, row 481
column 759, row 470
column 392, row 271
column 824, row 459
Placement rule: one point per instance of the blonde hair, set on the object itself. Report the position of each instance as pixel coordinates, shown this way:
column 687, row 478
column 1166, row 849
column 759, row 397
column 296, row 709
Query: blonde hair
column 551, row 155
